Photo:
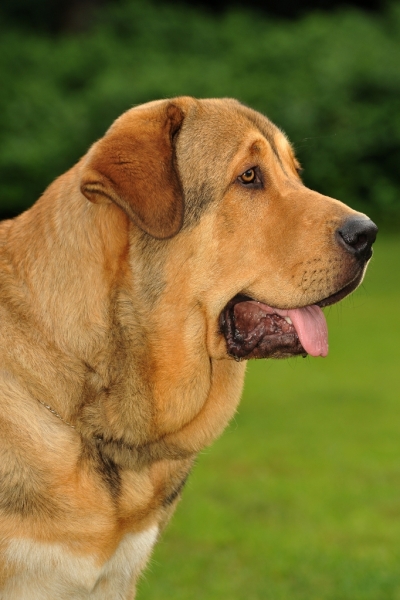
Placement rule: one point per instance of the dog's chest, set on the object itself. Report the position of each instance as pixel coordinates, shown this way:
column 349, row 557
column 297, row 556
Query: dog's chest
column 51, row 572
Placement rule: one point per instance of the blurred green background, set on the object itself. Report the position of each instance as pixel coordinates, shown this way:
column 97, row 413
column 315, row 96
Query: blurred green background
column 300, row 498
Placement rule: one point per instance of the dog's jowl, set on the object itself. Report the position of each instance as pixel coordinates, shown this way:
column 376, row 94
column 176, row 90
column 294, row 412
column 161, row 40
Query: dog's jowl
column 131, row 293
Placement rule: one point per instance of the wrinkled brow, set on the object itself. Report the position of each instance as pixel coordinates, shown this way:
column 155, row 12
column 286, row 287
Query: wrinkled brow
column 267, row 130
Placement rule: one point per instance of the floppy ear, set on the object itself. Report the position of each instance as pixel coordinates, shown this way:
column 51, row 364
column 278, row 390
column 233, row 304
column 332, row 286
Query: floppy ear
column 134, row 166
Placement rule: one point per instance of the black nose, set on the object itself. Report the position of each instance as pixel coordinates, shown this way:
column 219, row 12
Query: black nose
column 357, row 235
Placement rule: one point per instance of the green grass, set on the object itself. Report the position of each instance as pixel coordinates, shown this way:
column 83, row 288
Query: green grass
column 300, row 498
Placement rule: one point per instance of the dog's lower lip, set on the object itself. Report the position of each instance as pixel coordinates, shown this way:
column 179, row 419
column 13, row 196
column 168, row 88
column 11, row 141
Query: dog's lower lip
column 252, row 333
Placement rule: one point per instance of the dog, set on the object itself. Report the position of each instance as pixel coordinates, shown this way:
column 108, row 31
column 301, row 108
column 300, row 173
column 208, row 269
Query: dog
column 131, row 295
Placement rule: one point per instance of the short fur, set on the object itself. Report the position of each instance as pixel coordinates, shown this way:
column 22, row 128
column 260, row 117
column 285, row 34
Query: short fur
column 111, row 288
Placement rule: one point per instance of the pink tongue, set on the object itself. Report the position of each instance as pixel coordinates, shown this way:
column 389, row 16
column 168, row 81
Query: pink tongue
column 311, row 328
column 310, row 325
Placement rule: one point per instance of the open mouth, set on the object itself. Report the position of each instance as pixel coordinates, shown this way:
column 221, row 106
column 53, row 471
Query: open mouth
column 253, row 329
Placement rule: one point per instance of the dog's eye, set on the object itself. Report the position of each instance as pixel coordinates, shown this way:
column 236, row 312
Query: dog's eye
column 248, row 176
column 251, row 178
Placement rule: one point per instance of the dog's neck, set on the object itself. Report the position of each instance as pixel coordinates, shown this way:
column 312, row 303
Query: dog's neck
column 123, row 379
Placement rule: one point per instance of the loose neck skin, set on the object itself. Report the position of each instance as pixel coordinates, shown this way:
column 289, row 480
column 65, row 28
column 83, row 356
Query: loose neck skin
column 115, row 317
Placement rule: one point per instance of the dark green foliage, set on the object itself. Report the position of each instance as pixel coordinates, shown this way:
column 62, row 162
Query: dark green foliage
column 75, row 15
column 331, row 81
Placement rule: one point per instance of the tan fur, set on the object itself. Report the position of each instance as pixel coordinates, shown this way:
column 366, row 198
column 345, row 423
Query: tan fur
column 111, row 287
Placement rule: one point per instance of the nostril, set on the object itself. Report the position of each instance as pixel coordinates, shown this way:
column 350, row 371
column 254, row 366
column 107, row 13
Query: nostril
column 360, row 243
column 357, row 235
column 355, row 241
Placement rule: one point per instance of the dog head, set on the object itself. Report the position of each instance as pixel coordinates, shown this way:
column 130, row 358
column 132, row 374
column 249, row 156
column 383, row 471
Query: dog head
column 223, row 183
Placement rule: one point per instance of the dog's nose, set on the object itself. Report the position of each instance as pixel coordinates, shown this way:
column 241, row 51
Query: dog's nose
column 357, row 235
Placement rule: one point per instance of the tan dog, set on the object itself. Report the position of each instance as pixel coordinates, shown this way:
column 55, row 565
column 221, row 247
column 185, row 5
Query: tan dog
column 181, row 243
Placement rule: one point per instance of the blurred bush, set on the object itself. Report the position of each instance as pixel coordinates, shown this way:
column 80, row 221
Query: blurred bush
column 331, row 81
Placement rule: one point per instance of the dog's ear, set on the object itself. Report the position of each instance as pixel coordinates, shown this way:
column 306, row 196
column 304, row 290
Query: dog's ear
column 134, row 166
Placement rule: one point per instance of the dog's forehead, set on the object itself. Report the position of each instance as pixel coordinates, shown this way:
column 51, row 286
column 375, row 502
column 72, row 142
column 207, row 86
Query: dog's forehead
column 215, row 130
column 230, row 116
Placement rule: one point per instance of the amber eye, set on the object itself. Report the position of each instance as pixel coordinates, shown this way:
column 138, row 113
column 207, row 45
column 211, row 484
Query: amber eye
column 248, row 176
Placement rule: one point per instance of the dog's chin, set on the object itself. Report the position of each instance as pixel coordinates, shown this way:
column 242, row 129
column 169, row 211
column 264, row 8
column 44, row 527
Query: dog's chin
column 253, row 329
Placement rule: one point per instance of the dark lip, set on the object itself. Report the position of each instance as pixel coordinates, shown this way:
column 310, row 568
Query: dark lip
column 241, row 347
column 238, row 298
